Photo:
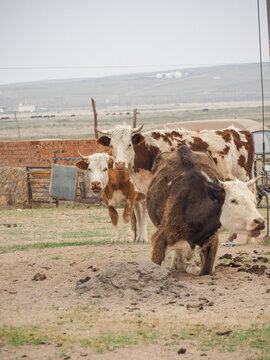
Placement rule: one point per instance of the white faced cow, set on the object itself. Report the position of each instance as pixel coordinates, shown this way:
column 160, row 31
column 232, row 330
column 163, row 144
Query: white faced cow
column 231, row 149
column 115, row 187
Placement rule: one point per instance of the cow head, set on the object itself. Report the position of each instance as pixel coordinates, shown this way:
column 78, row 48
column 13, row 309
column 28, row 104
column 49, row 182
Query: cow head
column 97, row 166
column 239, row 213
column 121, row 141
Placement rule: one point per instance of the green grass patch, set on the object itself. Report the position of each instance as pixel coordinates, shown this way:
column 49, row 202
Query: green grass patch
column 46, row 245
column 17, row 336
column 109, row 340
column 207, row 339
column 82, row 234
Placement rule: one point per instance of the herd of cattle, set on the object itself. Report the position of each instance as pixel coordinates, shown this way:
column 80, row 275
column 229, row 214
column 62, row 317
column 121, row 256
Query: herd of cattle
column 191, row 184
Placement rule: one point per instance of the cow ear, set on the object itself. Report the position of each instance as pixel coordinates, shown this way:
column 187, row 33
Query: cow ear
column 104, row 140
column 137, row 139
column 83, row 165
column 110, row 163
column 215, row 192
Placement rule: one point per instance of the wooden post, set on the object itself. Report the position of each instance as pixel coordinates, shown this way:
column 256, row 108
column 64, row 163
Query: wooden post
column 17, row 126
column 95, row 117
column 134, row 118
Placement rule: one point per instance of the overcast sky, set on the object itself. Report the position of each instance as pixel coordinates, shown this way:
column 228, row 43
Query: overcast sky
column 122, row 36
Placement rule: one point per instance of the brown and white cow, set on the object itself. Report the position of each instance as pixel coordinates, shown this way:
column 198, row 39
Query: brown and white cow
column 115, row 187
column 231, row 149
column 188, row 205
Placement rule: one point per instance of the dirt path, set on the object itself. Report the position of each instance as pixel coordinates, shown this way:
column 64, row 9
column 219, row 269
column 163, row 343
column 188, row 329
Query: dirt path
column 44, row 315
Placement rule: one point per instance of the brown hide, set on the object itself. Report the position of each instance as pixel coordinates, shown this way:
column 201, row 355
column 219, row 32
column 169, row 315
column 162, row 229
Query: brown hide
column 145, row 155
column 184, row 205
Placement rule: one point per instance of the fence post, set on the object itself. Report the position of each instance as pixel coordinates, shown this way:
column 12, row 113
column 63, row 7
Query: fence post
column 17, row 126
column 95, row 117
column 134, row 118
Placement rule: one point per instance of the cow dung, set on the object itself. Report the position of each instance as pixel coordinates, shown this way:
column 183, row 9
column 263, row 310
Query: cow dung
column 133, row 280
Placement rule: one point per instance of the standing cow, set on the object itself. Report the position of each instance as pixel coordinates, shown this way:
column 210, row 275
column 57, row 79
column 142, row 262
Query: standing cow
column 188, row 206
column 231, row 149
column 115, row 187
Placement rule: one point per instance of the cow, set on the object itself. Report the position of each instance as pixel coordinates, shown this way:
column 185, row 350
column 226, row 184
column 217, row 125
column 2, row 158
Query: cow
column 188, row 205
column 231, row 149
column 115, row 187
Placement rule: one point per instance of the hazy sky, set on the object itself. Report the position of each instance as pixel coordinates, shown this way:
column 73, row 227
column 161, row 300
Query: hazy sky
column 123, row 36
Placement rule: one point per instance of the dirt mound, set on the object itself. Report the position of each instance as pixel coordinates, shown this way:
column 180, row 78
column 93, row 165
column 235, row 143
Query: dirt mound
column 130, row 278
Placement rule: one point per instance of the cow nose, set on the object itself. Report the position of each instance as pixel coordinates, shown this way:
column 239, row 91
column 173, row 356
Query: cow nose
column 260, row 223
column 96, row 184
column 120, row 165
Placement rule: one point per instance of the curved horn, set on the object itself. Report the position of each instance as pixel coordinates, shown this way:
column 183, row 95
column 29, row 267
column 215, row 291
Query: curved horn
column 82, row 156
column 252, row 181
column 134, row 131
column 104, row 132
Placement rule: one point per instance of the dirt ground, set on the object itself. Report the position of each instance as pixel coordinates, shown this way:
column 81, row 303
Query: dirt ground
column 66, row 292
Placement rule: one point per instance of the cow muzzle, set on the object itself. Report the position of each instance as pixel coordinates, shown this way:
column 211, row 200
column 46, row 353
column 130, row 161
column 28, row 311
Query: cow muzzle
column 259, row 224
column 96, row 187
column 120, row 165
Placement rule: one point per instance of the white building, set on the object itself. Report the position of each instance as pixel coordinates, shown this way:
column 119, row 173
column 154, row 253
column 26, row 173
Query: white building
column 26, row 108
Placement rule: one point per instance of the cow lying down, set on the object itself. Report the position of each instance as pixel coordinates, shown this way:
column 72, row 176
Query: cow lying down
column 115, row 187
column 188, row 205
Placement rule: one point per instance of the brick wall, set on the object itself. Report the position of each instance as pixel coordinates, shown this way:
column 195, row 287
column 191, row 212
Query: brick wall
column 43, row 152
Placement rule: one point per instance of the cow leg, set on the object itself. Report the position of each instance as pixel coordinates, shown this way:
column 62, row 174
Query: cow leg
column 232, row 237
column 114, row 218
column 134, row 225
column 158, row 241
column 141, row 216
column 144, row 222
column 127, row 215
column 208, row 255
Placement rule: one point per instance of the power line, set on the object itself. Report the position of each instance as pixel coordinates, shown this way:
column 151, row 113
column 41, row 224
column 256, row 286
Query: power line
column 100, row 66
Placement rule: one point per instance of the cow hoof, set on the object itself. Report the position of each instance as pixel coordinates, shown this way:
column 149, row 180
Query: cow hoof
column 140, row 239
column 128, row 239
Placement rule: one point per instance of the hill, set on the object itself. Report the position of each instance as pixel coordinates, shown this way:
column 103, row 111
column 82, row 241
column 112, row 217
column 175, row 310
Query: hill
column 206, row 84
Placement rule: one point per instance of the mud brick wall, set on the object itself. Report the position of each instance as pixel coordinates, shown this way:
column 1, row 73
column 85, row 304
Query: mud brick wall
column 13, row 187
column 43, row 152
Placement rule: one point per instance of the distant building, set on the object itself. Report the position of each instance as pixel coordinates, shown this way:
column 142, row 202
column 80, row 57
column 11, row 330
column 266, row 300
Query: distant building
column 26, row 108
column 178, row 74
column 170, row 75
column 3, row 109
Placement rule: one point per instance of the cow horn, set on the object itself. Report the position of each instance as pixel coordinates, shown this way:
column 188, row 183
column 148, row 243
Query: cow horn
column 252, row 181
column 104, row 132
column 82, row 156
column 134, row 131
column 217, row 180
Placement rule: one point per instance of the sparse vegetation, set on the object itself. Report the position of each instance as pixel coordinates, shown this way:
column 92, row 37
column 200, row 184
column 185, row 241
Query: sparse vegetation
column 82, row 246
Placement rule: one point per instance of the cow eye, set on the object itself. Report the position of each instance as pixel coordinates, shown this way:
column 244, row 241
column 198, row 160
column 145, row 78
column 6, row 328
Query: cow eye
column 105, row 169
column 89, row 169
column 129, row 145
column 233, row 201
